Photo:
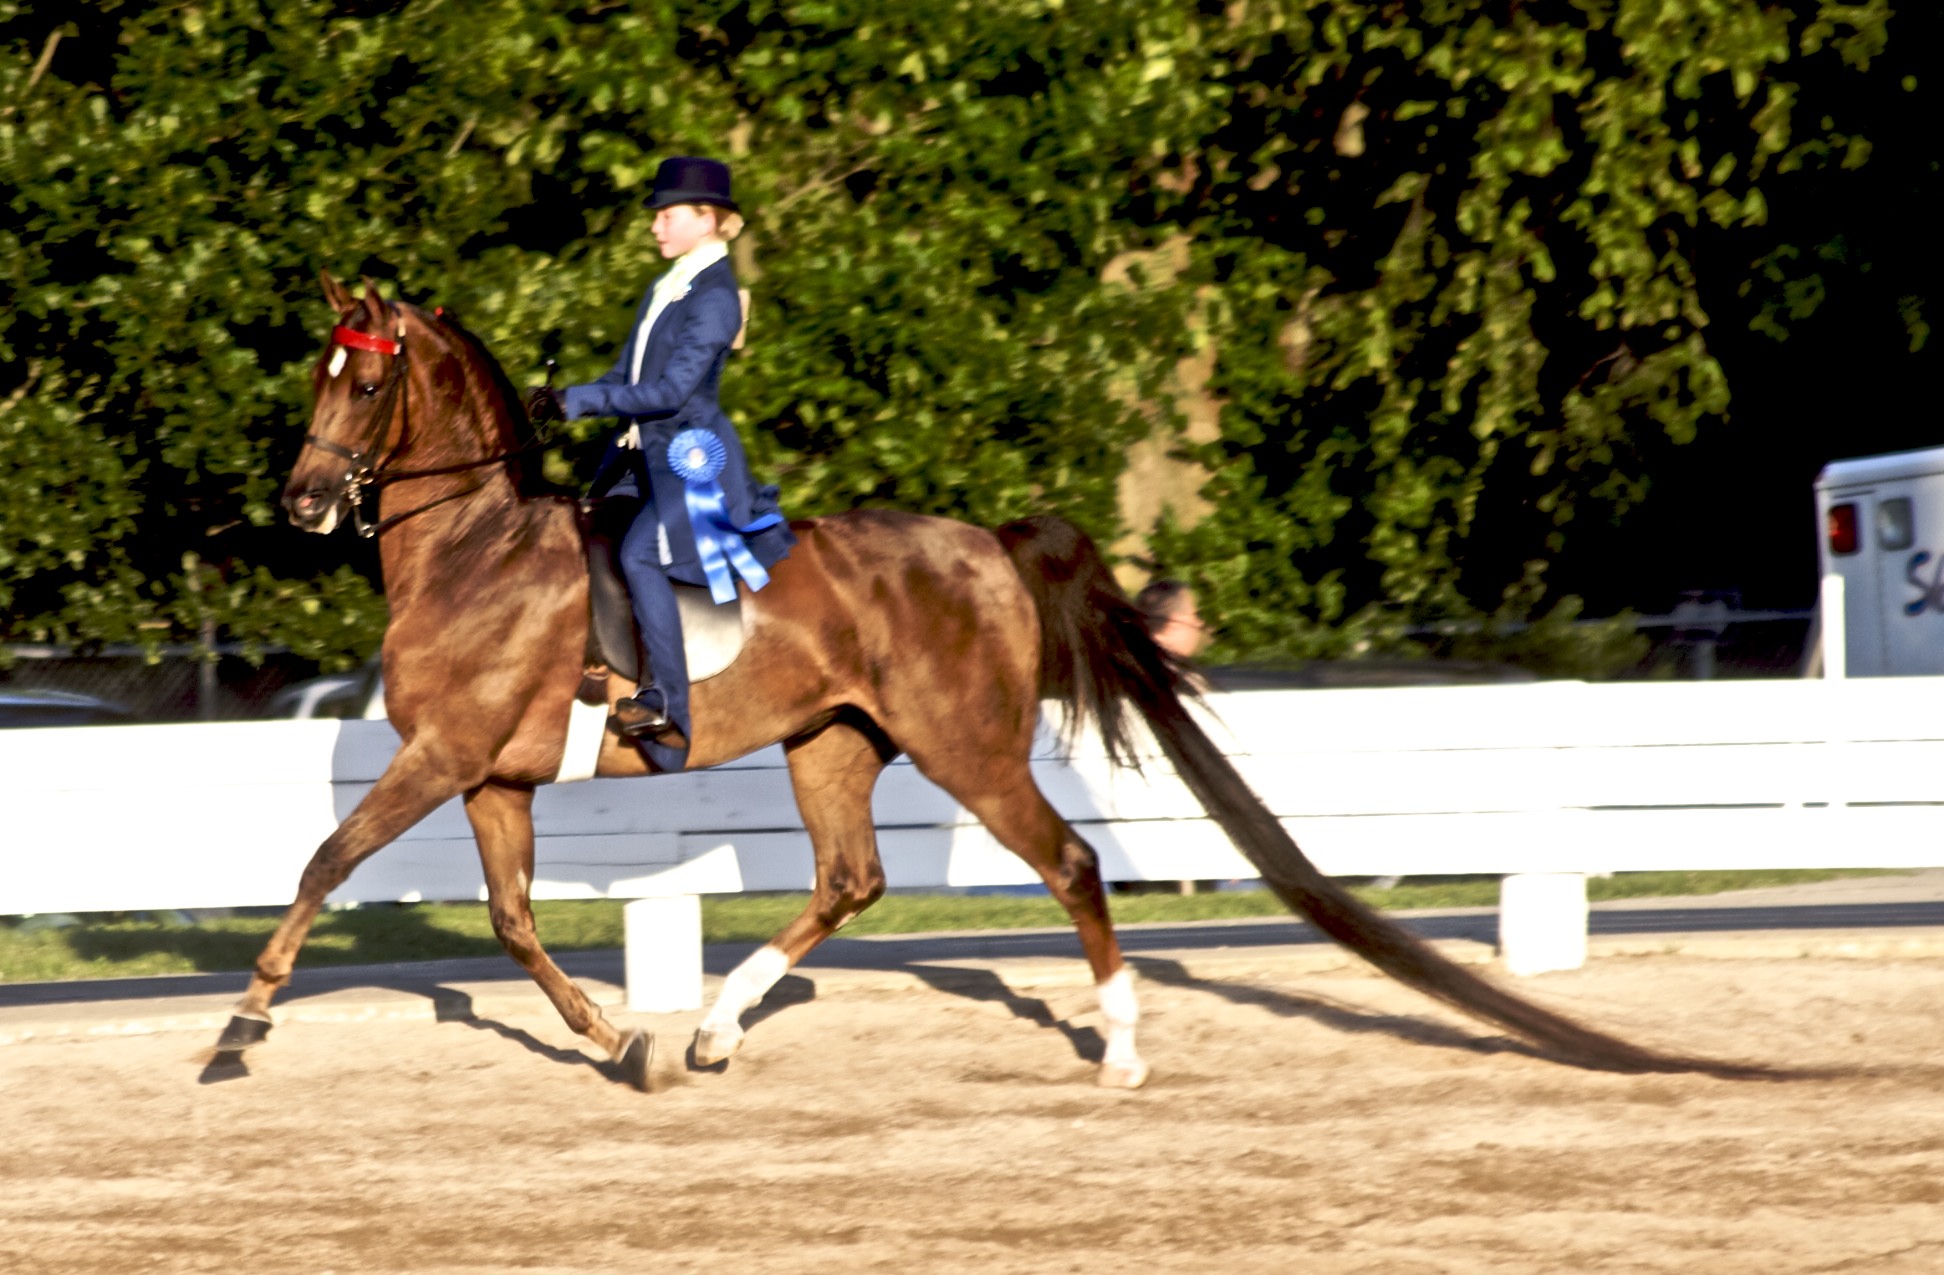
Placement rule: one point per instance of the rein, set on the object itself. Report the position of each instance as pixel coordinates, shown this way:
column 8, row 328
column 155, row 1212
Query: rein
column 362, row 476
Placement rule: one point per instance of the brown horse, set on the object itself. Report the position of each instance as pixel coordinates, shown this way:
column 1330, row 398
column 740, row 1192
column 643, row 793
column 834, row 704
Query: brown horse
column 880, row 634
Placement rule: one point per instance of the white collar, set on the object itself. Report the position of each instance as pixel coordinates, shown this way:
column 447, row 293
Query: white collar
column 697, row 259
column 672, row 287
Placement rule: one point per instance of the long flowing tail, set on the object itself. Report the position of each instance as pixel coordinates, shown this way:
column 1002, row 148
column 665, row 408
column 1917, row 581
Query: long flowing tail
column 1097, row 659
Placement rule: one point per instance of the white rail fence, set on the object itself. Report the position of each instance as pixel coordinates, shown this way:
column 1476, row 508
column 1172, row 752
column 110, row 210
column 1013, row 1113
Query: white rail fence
column 1541, row 783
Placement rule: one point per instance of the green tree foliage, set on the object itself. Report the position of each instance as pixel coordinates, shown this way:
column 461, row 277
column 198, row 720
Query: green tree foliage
column 1445, row 252
column 1459, row 250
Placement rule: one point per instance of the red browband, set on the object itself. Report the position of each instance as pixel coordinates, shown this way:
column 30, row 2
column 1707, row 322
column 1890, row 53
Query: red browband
column 342, row 335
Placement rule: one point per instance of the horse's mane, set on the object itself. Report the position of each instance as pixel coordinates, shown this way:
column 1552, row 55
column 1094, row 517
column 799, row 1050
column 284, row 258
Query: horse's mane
column 529, row 478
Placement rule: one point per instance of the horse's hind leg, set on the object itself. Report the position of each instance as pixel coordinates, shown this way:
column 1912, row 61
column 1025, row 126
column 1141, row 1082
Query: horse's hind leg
column 502, row 823
column 997, row 787
column 832, row 772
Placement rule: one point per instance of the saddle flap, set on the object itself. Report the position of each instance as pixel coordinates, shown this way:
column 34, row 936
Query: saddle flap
column 611, row 637
column 712, row 635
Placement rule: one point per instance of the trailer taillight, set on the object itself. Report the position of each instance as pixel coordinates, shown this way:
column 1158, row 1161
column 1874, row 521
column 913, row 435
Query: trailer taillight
column 1842, row 529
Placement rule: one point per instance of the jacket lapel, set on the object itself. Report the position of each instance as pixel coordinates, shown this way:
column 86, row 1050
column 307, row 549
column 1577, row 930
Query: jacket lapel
column 661, row 337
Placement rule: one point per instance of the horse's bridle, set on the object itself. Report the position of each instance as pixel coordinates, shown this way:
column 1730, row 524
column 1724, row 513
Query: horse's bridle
column 362, row 475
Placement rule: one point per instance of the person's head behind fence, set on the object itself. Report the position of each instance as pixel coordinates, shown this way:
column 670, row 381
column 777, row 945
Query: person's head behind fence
column 1172, row 618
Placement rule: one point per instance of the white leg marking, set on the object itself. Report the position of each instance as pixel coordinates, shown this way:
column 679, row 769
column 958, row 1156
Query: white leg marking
column 721, row 1031
column 1122, row 1067
column 747, row 984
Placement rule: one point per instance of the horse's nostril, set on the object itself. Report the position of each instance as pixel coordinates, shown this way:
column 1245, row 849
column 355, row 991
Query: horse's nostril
column 306, row 505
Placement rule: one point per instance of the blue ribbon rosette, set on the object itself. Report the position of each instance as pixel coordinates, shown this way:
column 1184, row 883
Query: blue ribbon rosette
column 697, row 457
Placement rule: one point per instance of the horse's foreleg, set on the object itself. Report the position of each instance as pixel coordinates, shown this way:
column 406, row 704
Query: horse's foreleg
column 832, row 773
column 502, row 823
column 416, row 783
column 1002, row 794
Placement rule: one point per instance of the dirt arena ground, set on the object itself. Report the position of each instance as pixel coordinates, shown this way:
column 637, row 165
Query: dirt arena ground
column 1324, row 1124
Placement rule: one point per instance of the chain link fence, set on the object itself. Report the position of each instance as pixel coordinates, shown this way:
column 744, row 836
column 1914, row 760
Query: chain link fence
column 176, row 683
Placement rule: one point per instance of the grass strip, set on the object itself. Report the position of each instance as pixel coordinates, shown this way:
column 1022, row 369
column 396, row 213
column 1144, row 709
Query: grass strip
column 111, row 945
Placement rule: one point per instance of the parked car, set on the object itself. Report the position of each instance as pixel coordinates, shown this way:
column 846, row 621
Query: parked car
column 355, row 695
column 42, row 707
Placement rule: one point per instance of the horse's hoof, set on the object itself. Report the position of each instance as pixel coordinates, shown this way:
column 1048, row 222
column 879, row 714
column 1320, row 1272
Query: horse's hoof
column 712, row 1047
column 637, row 1051
column 1123, row 1075
column 240, row 1033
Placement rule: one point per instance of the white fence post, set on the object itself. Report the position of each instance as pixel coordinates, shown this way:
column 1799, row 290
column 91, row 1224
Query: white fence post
column 663, row 953
column 1542, row 921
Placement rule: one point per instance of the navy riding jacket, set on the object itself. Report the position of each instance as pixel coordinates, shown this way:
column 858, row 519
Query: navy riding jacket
column 681, row 371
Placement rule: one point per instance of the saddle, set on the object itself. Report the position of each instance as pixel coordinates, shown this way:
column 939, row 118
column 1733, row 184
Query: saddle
column 712, row 635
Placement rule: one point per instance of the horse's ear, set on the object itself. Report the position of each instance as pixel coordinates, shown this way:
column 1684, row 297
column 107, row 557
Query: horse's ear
column 372, row 301
column 334, row 292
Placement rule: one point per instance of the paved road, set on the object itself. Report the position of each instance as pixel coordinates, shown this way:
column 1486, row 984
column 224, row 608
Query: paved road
column 1480, row 924
column 1914, row 903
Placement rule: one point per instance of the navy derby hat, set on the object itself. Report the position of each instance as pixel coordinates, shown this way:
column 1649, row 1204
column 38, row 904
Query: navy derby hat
column 685, row 180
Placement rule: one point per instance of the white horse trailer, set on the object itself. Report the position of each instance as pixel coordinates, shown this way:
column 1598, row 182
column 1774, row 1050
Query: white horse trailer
column 1882, row 537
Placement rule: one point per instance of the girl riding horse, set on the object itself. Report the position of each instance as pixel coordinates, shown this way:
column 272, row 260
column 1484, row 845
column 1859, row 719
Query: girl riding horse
column 663, row 388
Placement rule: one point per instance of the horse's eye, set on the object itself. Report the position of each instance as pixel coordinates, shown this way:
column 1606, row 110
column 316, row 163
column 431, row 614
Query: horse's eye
column 367, row 388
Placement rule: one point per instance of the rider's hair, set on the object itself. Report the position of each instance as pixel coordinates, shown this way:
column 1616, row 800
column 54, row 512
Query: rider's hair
column 727, row 224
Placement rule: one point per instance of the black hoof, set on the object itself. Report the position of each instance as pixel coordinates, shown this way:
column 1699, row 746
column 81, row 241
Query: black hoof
column 241, row 1033
column 694, row 1058
column 637, row 1051
column 228, row 1065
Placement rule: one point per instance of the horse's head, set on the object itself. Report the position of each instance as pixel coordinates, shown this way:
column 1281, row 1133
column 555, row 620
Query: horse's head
column 355, row 423
column 401, row 397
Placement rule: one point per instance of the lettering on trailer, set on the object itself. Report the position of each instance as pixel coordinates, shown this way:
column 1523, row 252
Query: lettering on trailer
column 1930, row 594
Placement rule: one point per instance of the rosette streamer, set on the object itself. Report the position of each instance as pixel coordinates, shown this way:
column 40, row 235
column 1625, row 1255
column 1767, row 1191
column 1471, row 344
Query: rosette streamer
column 697, row 457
